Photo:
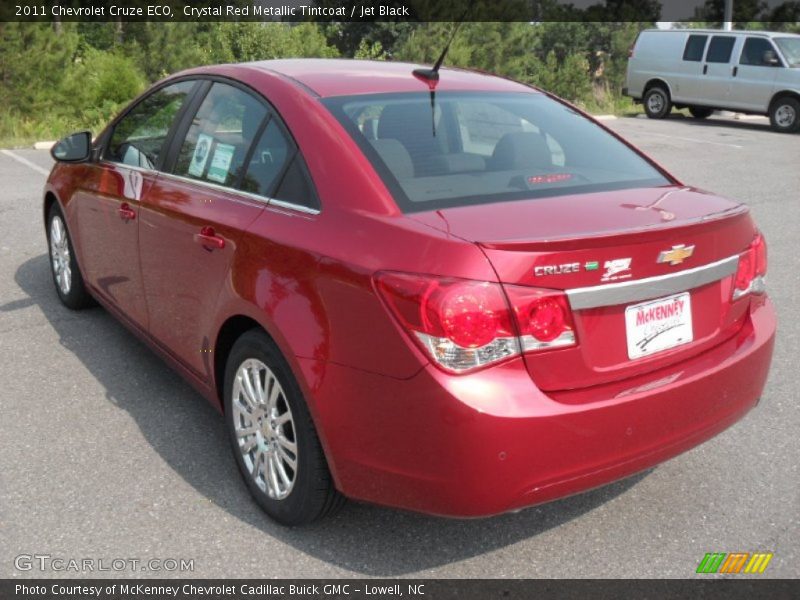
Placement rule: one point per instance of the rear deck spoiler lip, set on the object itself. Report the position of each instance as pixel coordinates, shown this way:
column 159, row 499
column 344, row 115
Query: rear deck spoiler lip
column 612, row 237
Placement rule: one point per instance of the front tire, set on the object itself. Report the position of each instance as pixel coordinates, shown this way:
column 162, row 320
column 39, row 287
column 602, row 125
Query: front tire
column 657, row 104
column 63, row 265
column 784, row 115
column 273, row 437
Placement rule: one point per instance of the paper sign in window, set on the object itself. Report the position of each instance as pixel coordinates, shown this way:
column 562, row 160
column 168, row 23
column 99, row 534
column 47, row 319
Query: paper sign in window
column 221, row 163
column 200, row 156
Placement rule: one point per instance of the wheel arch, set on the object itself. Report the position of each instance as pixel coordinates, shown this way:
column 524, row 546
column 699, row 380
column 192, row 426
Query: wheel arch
column 231, row 330
column 50, row 198
column 657, row 81
column 783, row 94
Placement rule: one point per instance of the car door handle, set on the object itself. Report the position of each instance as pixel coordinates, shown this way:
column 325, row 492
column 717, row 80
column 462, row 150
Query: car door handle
column 209, row 238
column 705, row 69
column 126, row 212
column 735, row 71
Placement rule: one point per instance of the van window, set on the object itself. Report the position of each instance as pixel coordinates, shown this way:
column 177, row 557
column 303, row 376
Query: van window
column 754, row 50
column 695, row 46
column 719, row 51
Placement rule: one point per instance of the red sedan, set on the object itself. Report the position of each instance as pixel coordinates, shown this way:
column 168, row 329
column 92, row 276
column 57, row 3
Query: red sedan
column 461, row 297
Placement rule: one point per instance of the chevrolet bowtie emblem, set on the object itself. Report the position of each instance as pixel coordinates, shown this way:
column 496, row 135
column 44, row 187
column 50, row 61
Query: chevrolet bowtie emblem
column 676, row 255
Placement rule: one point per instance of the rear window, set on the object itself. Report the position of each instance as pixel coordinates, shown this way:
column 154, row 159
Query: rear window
column 695, row 46
column 477, row 148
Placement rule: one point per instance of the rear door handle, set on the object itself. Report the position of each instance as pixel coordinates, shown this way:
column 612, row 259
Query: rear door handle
column 735, row 71
column 209, row 238
column 126, row 212
column 705, row 69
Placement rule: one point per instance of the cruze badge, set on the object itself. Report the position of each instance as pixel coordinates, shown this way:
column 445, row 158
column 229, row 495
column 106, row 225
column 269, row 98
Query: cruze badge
column 676, row 255
column 556, row 269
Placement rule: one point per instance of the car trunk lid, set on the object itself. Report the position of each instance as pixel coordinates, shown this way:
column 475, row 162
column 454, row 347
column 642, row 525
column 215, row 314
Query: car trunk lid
column 612, row 253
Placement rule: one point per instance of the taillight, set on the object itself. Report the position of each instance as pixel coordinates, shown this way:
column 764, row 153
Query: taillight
column 752, row 267
column 543, row 316
column 463, row 324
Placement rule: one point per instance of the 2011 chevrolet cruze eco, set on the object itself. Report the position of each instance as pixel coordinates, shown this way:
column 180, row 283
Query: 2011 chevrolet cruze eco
column 461, row 297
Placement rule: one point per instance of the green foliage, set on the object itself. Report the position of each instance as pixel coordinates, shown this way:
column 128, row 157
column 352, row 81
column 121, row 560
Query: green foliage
column 54, row 80
column 370, row 51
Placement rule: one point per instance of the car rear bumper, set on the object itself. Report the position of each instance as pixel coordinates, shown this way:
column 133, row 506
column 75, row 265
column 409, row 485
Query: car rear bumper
column 491, row 442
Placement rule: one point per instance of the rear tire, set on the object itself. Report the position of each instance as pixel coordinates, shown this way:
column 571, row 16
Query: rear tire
column 784, row 115
column 63, row 264
column 273, row 437
column 701, row 112
column 657, row 103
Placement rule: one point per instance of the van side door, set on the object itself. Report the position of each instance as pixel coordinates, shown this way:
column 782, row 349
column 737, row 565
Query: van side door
column 689, row 79
column 718, row 72
column 754, row 76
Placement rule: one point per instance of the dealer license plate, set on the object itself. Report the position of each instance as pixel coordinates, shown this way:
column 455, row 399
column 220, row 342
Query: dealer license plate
column 658, row 325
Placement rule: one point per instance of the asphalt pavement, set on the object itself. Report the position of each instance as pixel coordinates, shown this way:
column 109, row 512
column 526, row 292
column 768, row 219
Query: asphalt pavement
column 105, row 453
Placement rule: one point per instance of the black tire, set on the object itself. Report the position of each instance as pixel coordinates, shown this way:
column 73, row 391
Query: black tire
column 313, row 494
column 657, row 103
column 784, row 115
column 701, row 112
column 72, row 295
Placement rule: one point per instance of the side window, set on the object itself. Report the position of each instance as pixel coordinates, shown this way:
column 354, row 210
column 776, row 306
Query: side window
column 296, row 186
column 267, row 161
column 138, row 137
column 754, row 52
column 217, row 143
column 720, row 48
column 695, row 46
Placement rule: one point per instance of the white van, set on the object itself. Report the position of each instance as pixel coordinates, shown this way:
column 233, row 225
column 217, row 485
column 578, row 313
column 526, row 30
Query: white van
column 754, row 72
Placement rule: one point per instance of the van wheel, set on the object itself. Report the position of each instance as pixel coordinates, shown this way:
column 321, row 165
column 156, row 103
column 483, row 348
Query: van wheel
column 700, row 112
column 784, row 115
column 657, row 104
column 273, row 437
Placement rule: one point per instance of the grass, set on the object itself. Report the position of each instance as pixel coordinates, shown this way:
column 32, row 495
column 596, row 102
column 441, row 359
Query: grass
column 17, row 131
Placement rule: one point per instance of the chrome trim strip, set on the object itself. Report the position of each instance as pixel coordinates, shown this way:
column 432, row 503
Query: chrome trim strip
column 293, row 206
column 644, row 289
column 216, row 187
column 250, row 196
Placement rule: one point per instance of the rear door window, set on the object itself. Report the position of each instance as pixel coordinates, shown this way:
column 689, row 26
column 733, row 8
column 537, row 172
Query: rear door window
column 695, row 47
column 270, row 155
column 217, row 144
column 138, row 138
column 720, row 49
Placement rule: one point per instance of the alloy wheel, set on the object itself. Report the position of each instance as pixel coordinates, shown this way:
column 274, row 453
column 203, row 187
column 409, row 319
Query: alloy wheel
column 59, row 253
column 265, row 430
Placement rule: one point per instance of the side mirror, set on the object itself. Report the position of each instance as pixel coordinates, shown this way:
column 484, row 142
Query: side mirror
column 771, row 59
column 73, row 148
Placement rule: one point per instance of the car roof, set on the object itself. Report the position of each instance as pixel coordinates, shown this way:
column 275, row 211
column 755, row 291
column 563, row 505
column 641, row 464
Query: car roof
column 344, row 77
column 770, row 34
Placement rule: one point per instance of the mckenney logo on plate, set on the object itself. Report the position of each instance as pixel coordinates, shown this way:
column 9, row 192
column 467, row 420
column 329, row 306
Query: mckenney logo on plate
column 658, row 325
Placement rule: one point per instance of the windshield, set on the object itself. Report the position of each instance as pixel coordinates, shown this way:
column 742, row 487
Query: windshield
column 791, row 50
column 476, row 148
